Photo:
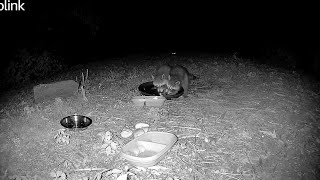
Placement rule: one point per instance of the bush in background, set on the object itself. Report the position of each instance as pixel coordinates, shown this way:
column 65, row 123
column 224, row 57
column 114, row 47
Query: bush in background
column 30, row 67
column 280, row 57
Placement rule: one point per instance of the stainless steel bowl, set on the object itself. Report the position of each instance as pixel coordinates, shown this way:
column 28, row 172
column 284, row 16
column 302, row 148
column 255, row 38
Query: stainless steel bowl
column 76, row 122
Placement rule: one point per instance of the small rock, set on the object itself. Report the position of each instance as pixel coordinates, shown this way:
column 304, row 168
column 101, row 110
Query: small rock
column 143, row 126
column 126, row 133
column 138, row 132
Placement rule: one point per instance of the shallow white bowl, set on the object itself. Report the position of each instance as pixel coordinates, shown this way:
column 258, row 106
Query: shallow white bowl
column 148, row 149
column 148, row 100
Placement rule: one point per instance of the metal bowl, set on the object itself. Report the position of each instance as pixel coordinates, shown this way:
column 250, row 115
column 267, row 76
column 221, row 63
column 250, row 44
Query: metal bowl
column 76, row 122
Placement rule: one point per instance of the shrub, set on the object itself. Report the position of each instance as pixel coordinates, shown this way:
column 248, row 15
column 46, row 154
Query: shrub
column 30, row 67
column 281, row 57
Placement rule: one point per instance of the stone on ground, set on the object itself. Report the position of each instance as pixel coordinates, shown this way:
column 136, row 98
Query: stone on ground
column 62, row 89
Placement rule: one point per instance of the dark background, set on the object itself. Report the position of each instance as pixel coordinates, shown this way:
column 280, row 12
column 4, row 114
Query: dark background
column 79, row 31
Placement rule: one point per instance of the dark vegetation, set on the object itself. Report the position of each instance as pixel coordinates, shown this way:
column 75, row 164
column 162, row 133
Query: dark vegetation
column 30, row 66
column 49, row 38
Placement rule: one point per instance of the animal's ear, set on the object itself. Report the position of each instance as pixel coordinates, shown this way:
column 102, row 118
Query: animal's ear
column 152, row 77
column 163, row 76
column 169, row 77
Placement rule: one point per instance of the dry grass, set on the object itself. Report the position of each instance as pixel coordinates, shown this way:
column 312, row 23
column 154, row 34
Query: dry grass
column 241, row 121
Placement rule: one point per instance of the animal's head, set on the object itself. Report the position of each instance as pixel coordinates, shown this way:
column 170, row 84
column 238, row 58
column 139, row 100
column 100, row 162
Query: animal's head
column 159, row 81
column 161, row 77
column 173, row 83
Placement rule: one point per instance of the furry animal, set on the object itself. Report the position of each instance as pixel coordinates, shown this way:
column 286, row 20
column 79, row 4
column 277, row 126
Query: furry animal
column 178, row 78
column 170, row 92
column 164, row 90
column 161, row 76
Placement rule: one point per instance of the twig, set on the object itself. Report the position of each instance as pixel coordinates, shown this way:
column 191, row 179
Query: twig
column 207, row 162
column 187, row 127
column 83, row 92
column 90, row 169
column 222, row 115
column 87, row 75
column 190, row 136
column 279, row 94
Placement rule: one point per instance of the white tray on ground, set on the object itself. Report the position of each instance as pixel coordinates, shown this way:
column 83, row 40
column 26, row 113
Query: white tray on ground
column 148, row 149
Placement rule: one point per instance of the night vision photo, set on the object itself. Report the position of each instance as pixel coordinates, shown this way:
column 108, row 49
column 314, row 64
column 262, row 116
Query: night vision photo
column 95, row 91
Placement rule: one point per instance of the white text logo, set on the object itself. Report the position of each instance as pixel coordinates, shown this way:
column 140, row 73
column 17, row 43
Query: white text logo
column 6, row 5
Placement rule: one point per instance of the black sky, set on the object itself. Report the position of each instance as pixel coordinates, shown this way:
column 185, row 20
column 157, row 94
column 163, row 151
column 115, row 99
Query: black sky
column 130, row 27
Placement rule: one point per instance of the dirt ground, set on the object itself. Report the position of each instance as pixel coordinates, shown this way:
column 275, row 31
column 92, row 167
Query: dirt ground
column 240, row 121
